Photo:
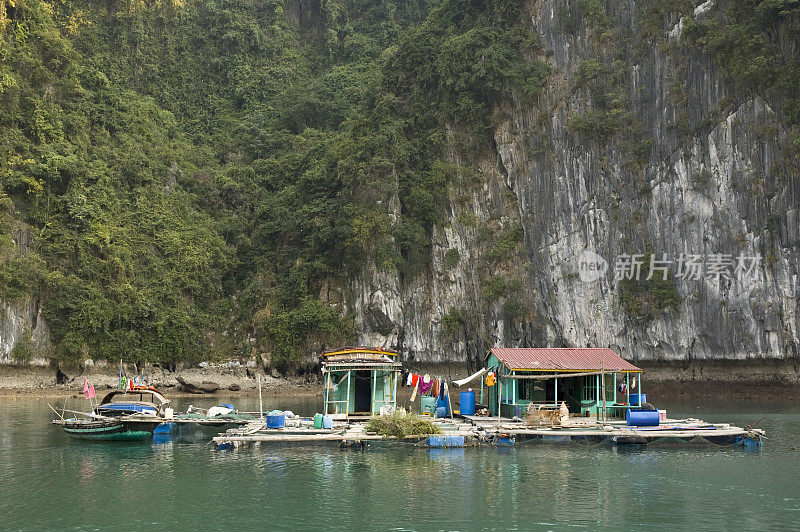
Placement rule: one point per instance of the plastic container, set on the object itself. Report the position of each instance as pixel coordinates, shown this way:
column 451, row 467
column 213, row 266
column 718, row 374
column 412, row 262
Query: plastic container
column 446, row 441
column 467, row 403
column 327, row 422
column 635, row 398
column 276, row 421
column 317, row 421
column 441, row 411
column 428, row 404
column 662, row 415
column 641, row 418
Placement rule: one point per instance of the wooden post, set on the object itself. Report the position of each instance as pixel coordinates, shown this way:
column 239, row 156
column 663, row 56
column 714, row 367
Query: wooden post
column 327, row 388
column 261, row 403
column 597, row 396
column 499, row 395
column 555, row 391
column 394, row 392
column 514, row 390
column 347, row 402
column 615, row 388
column 372, row 395
column 603, row 378
column 449, row 402
column 639, row 386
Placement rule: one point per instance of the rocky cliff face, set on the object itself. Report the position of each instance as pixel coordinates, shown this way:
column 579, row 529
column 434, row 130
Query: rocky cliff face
column 639, row 145
column 24, row 337
column 675, row 163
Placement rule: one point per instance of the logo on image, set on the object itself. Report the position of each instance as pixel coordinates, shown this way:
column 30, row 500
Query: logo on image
column 591, row 266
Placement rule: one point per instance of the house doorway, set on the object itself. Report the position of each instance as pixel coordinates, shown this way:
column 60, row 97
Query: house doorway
column 362, row 401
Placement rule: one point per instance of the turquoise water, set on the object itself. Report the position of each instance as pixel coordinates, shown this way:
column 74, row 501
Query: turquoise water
column 51, row 482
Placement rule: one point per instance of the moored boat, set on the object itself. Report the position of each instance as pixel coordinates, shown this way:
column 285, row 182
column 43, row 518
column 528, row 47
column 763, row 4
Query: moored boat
column 102, row 429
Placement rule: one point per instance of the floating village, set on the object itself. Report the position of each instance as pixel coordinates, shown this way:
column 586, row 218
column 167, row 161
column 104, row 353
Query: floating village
column 588, row 396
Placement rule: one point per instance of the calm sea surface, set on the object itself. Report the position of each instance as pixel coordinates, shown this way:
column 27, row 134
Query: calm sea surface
column 51, row 482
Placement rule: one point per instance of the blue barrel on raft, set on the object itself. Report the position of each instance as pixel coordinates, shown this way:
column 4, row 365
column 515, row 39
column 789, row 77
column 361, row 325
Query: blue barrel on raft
column 327, row 422
column 635, row 398
column 641, row 418
column 467, row 403
column 276, row 421
column 441, row 411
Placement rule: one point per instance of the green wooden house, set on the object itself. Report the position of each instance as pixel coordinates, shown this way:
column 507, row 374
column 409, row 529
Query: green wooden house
column 359, row 381
column 549, row 376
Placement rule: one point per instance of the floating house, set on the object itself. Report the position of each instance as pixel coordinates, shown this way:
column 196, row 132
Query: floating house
column 550, row 376
column 359, row 381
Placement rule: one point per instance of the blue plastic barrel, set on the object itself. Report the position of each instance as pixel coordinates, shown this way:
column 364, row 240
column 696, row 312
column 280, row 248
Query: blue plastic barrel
column 641, row 418
column 635, row 398
column 441, row 411
column 277, row 421
column 327, row 422
column 467, row 403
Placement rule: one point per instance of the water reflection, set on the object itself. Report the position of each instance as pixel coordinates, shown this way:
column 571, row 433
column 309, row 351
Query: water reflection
column 58, row 482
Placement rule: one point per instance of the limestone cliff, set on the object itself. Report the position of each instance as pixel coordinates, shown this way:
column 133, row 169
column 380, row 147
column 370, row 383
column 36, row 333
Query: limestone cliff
column 692, row 168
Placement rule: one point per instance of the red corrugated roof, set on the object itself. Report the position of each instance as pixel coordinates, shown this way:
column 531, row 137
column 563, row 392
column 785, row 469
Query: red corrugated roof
column 562, row 359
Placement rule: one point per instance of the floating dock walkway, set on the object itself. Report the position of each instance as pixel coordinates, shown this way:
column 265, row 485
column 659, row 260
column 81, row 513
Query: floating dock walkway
column 587, row 430
column 473, row 430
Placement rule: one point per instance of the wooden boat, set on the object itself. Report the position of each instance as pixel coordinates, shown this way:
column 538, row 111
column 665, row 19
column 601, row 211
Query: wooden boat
column 122, row 415
column 102, row 429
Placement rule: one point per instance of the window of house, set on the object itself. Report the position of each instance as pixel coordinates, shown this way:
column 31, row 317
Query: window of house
column 589, row 388
column 524, row 388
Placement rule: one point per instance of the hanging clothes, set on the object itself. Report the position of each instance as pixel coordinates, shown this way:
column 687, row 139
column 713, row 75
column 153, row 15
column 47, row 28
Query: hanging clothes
column 425, row 384
column 491, row 380
column 435, row 387
column 408, row 378
column 414, row 380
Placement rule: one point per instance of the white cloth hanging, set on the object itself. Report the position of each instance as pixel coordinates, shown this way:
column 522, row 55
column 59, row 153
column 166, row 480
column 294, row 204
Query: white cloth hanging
column 478, row 373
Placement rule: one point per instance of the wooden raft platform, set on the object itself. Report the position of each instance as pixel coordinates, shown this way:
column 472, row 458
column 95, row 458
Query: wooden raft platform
column 582, row 429
column 473, row 430
column 344, row 434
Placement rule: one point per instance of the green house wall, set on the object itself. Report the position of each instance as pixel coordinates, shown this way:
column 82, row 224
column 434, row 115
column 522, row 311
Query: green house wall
column 381, row 386
column 512, row 405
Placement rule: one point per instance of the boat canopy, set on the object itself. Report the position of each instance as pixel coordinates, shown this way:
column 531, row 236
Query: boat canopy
column 157, row 397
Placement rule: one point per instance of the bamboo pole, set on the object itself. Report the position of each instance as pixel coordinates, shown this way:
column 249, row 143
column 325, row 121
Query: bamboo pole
column 56, row 411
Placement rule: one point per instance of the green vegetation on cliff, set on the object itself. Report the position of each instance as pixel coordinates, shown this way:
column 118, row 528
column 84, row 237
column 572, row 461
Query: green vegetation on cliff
column 193, row 173
column 191, row 179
